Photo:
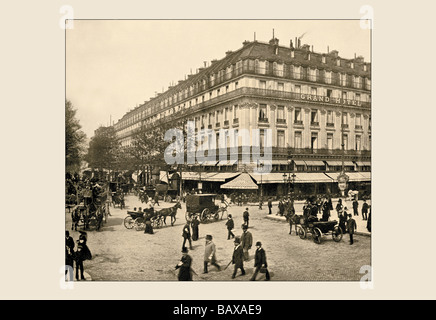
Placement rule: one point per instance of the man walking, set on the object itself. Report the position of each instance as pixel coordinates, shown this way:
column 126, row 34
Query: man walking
column 260, row 262
column 246, row 217
column 238, row 258
column 351, row 226
column 186, row 235
column 184, row 265
column 355, row 207
column 209, row 254
column 246, row 241
column 365, row 210
column 230, row 225
column 195, row 223
column 269, row 206
column 69, row 253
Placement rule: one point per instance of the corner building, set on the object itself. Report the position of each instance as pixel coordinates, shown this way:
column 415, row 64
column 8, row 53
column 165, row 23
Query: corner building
column 317, row 105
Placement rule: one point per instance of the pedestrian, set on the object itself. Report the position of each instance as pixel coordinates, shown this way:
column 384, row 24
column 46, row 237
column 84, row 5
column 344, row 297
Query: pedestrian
column 260, row 263
column 238, row 258
column 246, row 241
column 156, row 199
column 351, row 226
column 230, row 225
column 69, row 254
column 209, row 254
column 246, row 217
column 281, row 207
column 184, row 266
column 83, row 253
column 290, row 216
column 269, row 206
column 355, row 207
column 194, row 224
column 325, row 211
column 339, row 207
column 368, row 223
column 148, row 226
column 186, row 235
column 343, row 220
column 365, row 210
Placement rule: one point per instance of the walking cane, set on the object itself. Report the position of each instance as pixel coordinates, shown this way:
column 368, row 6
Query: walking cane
column 228, row 265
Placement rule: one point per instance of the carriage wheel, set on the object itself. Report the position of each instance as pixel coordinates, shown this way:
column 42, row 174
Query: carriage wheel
column 316, row 235
column 128, row 222
column 301, row 232
column 204, row 215
column 337, row 234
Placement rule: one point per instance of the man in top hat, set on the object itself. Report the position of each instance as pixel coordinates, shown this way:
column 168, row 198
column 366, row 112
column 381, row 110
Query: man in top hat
column 246, row 241
column 260, row 262
column 187, row 235
column 246, row 217
column 209, row 254
column 238, row 258
column 69, row 252
column 351, row 226
column 184, row 265
column 230, row 225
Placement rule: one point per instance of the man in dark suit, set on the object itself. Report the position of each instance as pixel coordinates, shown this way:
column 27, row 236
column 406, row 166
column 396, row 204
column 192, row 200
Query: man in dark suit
column 269, row 206
column 195, row 223
column 69, row 252
column 260, row 262
column 365, row 210
column 351, row 226
column 246, row 241
column 355, row 207
column 238, row 258
column 187, row 235
column 246, row 217
column 184, row 265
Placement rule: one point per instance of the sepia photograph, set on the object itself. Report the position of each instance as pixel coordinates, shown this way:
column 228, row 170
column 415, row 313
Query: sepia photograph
column 217, row 150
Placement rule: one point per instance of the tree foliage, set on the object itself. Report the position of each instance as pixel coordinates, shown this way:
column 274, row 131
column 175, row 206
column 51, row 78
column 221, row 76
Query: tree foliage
column 103, row 149
column 74, row 139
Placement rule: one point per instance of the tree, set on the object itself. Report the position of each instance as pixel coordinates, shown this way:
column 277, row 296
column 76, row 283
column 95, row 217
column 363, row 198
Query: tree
column 74, row 139
column 103, row 149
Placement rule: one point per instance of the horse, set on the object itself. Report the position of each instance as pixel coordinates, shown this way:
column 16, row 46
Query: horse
column 118, row 199
column 172, row 211
column 294, row 219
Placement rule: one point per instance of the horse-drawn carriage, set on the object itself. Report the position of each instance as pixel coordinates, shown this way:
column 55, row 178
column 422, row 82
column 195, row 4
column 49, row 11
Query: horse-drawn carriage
column 157, row 218
column 203, row 205
column 311, row 225
column 92, row 211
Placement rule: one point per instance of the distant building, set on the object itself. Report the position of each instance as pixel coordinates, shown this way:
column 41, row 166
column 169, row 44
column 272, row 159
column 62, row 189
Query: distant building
column 313, row 103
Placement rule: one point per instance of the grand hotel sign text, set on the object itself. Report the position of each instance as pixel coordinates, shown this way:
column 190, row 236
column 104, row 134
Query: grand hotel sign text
column 311, row 97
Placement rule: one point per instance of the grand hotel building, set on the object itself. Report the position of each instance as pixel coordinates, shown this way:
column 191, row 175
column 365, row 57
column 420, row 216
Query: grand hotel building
column 317, row 105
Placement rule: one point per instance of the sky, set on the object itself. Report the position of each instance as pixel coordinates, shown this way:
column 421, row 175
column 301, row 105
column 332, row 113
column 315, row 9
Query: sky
column 114, row 65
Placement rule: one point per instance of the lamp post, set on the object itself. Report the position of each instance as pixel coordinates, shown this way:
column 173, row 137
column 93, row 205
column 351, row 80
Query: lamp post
column 343, row 177
column 260, row 165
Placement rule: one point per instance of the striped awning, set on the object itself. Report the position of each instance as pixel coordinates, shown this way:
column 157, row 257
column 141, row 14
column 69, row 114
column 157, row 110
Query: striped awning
column 318, row 163
column 363, row 163
column 339, row 163
column 352, row 176
column 241, row 182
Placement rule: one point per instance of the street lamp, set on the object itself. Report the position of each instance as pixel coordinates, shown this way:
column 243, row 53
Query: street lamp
column 260, row 165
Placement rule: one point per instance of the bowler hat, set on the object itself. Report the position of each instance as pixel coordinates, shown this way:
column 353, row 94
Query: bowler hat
column 258, row 243
column 208, row 237
column 237, row 240
column 244, row 226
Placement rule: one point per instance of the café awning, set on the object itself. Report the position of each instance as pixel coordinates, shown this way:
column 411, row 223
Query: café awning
column 227, row 162
column 318, row 163
column 363, row 163
column 312, row 177
column 241, row 182
column 339, row 163
column 352, row 176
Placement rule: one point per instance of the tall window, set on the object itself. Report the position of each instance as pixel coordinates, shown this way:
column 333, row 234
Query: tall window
column 297, row 88
column 358, row 121
column 262, row 111
column 313, row 91
column 343, row 79
column 330, row 141
column 314, row 117
column 226, row 114
column 297, row 72
column 280, row 86
column 235, row 111
column 280, row 112
column 328, row 76
column 281, row 139
column 261, row 137
column 314, row 140
column 358, row 144
column 297, row 115
column 330, row 117
column 312, row 74
column 345, row 118
column 345, row 141
column 298, row 139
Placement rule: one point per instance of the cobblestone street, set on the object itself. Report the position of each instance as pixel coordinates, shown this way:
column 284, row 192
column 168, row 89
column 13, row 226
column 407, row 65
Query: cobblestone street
column 120, row 254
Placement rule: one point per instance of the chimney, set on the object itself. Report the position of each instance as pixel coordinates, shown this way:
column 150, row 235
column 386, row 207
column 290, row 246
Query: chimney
column 245, row 43
column 291, row 44
column 228, row 52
